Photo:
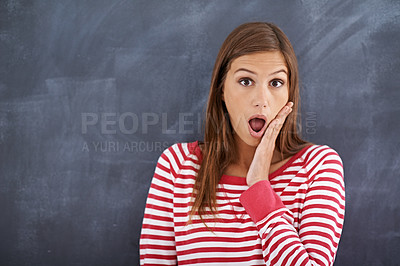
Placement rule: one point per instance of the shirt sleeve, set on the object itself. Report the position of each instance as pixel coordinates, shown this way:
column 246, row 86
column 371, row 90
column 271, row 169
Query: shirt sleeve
column 321, row 218
column 157, row 239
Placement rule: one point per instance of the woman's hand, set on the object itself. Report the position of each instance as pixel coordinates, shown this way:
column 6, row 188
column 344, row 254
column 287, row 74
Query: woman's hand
column 259, row 168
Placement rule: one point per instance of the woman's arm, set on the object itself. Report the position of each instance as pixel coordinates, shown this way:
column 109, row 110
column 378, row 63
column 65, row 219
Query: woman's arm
column 321, row 218
column 157, row 240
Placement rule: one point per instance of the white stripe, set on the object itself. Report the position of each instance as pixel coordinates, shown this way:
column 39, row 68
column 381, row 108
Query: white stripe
column 209, row 255
column 217, row 234
column 157, row 261
column 160, row 243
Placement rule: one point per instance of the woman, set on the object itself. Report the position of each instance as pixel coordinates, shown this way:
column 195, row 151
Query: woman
column 254, row 193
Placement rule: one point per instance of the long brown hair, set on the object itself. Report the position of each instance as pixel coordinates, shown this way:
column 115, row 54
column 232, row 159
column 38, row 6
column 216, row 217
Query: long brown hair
column 219, row 149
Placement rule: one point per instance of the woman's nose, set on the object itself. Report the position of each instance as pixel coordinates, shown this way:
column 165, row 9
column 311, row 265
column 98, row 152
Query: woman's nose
column 260, row 97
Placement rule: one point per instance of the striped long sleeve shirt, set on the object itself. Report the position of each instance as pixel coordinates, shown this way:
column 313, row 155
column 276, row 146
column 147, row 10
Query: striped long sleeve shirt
column 294, row 218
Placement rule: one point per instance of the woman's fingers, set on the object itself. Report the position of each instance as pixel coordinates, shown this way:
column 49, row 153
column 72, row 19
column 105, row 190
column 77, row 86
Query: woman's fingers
column 275, row 125
column 283, row 113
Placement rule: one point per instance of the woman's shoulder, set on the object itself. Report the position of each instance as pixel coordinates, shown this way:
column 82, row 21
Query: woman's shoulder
column 321, row 157
column 320, row 152
column 183, row 151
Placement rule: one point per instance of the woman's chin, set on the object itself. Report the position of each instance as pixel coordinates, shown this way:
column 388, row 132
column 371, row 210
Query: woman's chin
column 248, row 140
column 253, row 142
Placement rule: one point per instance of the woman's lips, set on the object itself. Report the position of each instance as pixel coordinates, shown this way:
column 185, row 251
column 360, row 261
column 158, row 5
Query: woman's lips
column 254, row 124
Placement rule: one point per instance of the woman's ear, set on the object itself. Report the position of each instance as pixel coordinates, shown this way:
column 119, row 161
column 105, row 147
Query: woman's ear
column 222, row 95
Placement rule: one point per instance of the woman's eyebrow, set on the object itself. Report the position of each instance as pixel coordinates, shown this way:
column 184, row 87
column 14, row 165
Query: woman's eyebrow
column 279, row 71
column 244, row 69
column 276, row 72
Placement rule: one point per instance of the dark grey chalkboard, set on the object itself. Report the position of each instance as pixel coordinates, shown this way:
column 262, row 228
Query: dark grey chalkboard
column 91, row 93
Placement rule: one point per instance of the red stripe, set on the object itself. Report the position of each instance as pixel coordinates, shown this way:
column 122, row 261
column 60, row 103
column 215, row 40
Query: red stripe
column 219, row 249
column 319, row 224
column 184, row 205
column 323, row 206
column 157, row 217
column 326, row 197
column 281, row 238
column 317, row 251
column 160, row 198
column 295, row 261
column 163, row 168
column 157, row 237
column 336, row 161
column 228, row 212
column 159, row 208
column 166, row 179
column 331, row 180
column 160, row 247
column 324, row 189
column 160, row 188
column 210, row 221
column 286, row 259
column 176, row 159
column 158, row 227
column 218, row 229
column 315, row 216
column 160, row 257
column 322, row 234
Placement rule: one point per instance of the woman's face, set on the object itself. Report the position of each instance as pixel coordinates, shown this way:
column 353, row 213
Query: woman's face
column 255, row 89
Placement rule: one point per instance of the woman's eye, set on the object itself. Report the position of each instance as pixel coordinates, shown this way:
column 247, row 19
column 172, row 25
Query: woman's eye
column 246, row 82
column 276, row 83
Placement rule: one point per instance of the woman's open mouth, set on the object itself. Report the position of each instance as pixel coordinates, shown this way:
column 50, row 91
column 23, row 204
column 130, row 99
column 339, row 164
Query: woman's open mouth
column 257, row 125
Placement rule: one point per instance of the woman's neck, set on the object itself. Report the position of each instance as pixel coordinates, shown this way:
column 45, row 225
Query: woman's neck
column 246, row 153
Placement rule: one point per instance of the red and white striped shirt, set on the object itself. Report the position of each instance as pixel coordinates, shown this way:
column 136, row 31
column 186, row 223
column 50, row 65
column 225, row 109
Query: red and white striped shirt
column 294, row 218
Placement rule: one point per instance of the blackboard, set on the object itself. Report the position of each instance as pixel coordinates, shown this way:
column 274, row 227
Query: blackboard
column 92, row 92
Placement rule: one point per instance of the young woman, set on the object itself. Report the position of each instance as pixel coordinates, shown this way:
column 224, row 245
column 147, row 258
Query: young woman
column 254, row 193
